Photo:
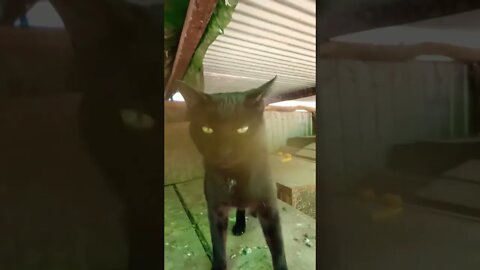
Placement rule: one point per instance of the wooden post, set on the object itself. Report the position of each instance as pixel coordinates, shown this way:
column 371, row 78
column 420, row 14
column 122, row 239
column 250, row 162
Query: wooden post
column 196, row 20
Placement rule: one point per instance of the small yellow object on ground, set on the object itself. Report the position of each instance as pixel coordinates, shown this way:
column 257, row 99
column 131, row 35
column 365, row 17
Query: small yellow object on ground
column 286, row 157
column 367, row 194
column 392, row 200
column 386, row 214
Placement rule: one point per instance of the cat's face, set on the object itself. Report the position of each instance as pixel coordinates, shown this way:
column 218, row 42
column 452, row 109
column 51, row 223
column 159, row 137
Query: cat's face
column 226, row 128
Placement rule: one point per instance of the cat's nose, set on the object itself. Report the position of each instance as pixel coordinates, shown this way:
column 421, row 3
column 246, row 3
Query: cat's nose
column 225, row 152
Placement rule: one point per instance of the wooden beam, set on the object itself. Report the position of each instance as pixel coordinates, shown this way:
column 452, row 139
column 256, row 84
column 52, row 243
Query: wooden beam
column 337, row 18
column 289, row 109
column 395, row 53
column 177, row 111
column 196, row 20
column 292, row 95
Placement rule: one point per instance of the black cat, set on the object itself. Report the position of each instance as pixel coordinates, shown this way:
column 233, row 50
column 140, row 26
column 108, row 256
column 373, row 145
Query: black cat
column 130, row 160
column 117, row 70
column 228, row 130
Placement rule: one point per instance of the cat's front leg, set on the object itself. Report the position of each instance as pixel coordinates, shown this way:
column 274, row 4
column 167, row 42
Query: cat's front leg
column 218, row 217
column 270, row 221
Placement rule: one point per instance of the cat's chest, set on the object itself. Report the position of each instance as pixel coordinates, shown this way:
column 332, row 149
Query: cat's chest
column 238, row 194
column 235, row 192
column 234, row 187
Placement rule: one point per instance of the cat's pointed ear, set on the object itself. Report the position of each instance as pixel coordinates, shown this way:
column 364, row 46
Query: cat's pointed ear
column 192, row 97
column 255, row 96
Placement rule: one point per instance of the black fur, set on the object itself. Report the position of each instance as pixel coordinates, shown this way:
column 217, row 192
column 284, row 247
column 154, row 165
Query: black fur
column 115, row 70
column 236, row 165
column 130, row 160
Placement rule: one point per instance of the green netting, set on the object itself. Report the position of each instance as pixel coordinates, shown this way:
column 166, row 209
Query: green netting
column 174, row 17
column 221, row 17
column 175, row 11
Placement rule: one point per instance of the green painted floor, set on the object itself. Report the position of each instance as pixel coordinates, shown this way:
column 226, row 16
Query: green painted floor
column 183, row 249
column 184, row 235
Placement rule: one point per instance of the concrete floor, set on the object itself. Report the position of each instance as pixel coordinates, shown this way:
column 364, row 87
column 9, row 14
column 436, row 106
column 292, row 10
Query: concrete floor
column 417, row 238
column 183, row 244
column 183, row 247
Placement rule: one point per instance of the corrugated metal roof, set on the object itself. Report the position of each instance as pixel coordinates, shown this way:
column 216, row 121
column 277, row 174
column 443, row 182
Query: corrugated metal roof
column 264, row 39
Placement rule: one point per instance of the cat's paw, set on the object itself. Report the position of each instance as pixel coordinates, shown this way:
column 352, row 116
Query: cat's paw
column 238, row 229
column 219, row 266
column 280, row 266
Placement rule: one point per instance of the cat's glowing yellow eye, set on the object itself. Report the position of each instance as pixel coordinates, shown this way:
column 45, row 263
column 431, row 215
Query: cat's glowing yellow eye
column 242, row 129
column 207, row 130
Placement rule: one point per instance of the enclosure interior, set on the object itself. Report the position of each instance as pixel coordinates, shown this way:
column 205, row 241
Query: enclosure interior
column 399, row 145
